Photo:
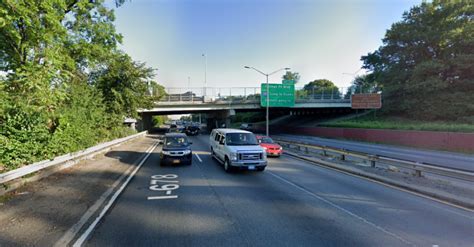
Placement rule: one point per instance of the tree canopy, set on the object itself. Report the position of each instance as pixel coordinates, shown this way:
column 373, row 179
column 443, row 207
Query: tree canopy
column 321, row 88
column 64, row 84
column 426, row 62
column 295, row 76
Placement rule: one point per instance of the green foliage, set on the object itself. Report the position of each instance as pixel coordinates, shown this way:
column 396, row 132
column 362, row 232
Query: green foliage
column 65, row 86
column 426, row 63
column 363, row 84
column 399, row 123
column 291, row 76
column 320, row 88
column 159, row 120
column 124, row 85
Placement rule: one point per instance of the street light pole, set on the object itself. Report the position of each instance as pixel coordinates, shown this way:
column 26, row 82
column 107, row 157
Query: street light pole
column 205, row 72
column 268, row 95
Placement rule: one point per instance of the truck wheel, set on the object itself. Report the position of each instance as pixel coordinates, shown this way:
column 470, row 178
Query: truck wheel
column 227, row 167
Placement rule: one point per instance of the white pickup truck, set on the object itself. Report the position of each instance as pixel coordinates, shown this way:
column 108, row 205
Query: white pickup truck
column 237, row 149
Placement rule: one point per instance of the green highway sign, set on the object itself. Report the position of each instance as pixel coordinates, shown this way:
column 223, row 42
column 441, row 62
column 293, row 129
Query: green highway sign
column 281, row 95
column 288, row 82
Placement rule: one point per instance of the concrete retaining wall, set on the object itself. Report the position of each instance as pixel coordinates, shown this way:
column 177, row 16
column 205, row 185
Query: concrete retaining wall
column 452, row 141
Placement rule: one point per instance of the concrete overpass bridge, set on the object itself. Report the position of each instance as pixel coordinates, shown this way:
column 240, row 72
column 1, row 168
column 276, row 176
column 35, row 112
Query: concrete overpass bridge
column 221, row 103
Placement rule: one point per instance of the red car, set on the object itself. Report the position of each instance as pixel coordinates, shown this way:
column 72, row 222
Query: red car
column 272, row 148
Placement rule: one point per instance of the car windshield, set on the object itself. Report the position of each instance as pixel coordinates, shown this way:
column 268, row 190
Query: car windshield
column 266, row 140
column 240, row 139
column 176, row 141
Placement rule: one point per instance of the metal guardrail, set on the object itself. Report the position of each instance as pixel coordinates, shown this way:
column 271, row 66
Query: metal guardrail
column 236, row 94
column 38, row 166
column 418, row 167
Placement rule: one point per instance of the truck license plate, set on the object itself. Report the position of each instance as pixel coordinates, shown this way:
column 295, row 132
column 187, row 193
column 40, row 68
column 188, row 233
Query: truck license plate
column 176, row 161
column 251, row 167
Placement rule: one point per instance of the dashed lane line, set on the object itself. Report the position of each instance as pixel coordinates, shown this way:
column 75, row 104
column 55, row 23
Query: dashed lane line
column 199, row 158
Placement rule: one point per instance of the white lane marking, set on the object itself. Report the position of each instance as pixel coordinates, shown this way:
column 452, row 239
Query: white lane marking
column 162, row 197
column 315, row 165
column 72, row 232
column 199, row 158
column 89, row 230
column 343, row 209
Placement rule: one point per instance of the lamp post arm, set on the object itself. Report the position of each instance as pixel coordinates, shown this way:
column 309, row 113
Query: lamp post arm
column 276, row 71
column 259, row 71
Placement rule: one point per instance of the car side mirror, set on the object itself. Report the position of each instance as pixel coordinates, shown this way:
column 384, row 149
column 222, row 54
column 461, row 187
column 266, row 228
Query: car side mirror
column 160, row 142
column 190, row 143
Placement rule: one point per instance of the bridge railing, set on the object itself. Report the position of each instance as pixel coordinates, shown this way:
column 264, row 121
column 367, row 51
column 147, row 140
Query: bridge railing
column 252, row 95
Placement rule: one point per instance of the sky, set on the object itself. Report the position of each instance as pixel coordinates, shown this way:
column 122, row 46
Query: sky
column 320, row 39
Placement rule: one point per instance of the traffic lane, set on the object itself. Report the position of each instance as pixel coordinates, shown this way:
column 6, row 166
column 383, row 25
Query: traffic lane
column 419, row 220
column 215, row 208
column 441, row 158
column 195, row 217
column 283, row 214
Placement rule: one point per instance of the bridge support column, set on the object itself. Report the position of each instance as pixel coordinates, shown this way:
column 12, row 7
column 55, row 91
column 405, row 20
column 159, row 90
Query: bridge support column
column 147, row 123
column 219, row 119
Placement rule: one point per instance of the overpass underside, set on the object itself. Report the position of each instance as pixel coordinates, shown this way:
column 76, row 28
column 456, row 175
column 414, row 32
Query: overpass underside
column 219, row 113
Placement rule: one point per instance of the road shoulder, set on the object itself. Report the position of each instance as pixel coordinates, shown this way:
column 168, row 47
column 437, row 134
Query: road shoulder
column 41, row 212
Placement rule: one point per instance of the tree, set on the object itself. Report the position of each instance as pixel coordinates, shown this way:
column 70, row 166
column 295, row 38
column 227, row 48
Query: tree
column 295, row 76
column 363, row 84
column 159, row 120
column 426, row 62
column 124, row 86
column 320, row 88
column 55, row 58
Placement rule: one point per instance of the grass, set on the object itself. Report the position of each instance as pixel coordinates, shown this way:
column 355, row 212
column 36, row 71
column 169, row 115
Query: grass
column 399, row 123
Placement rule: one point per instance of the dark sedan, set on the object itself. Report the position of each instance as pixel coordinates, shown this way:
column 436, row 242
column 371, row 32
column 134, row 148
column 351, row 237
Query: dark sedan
column 192, row 130
column 176, row 150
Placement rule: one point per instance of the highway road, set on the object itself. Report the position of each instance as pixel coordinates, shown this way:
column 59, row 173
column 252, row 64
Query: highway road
column 292, row 203
column 446, row 159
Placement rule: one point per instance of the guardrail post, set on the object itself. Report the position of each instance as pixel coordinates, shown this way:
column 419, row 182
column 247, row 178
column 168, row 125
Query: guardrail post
column 372, row 159
column 306, row 150
column 417, row 171
column 343, row 156
column 324, row 151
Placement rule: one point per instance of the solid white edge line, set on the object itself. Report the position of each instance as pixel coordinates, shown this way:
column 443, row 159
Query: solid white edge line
column 199, row 158
column 343, row 209
column 91, row 227
column 72, row 232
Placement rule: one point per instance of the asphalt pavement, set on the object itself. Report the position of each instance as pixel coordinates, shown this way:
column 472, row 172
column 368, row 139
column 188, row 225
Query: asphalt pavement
column 441, row 158
column 291, row 203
